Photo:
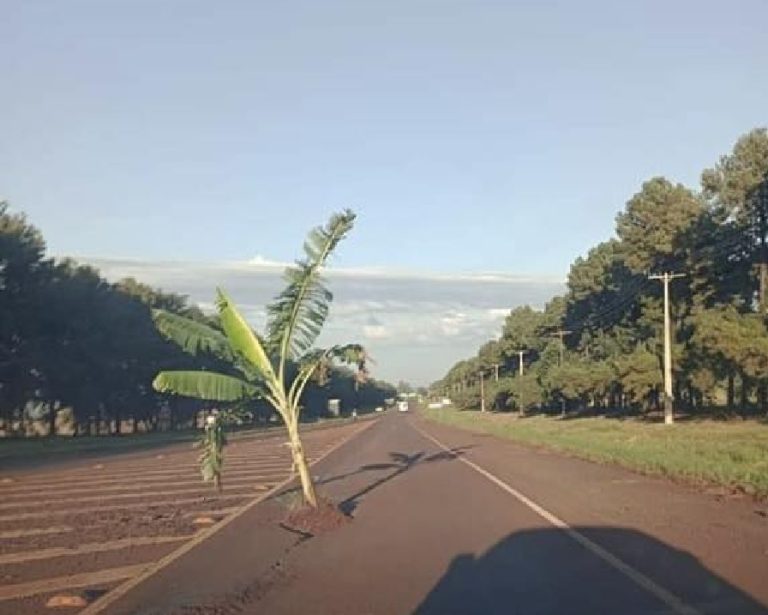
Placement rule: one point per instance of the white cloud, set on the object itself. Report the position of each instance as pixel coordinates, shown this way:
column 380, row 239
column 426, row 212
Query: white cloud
column 376, row 332
column 265, row 263
column 416, row 325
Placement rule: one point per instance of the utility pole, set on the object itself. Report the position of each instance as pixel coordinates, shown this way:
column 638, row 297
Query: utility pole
column 762, row 207
column 482, row 392
column 496, row 368
column 669, row 417
column 521, row 353
column 561, row 334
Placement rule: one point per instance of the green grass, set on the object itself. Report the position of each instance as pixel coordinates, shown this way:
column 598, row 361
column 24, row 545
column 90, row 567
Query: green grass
column 733, row 454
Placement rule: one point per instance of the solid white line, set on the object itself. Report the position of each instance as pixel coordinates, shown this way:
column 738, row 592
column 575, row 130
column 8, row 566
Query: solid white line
column 667, row 597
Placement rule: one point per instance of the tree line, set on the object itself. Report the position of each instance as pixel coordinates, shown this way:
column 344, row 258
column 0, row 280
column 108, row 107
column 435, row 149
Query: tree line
column 600, row 344
column 74, row 345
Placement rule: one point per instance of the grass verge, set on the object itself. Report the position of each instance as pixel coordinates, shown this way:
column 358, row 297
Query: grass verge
column 731, row 454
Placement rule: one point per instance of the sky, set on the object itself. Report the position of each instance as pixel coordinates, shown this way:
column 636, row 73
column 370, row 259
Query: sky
column 484, row 145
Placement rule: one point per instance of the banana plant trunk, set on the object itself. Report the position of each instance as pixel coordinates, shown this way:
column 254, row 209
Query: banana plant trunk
column 302, row 467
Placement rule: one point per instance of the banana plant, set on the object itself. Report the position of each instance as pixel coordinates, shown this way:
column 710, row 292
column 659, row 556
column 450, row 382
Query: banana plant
column 278, row 366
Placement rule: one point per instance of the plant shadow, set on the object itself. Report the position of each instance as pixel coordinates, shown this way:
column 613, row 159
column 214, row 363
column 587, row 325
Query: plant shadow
column 398, row 463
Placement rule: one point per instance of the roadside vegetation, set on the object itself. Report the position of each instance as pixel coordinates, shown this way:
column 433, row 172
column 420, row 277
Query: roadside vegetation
column 78, row 355
column 732, row 454
column 599, row 347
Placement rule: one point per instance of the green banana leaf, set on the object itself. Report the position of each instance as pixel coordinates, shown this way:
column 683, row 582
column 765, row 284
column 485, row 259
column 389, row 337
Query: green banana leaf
column 203, row 385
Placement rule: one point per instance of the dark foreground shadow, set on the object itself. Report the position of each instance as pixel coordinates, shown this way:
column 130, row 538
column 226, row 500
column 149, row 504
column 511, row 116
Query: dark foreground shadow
column 547, row 572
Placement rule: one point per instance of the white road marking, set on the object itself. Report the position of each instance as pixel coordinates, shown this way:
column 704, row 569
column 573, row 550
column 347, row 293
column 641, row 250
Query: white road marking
column 99, row 577
column 668, row 598
column 96, row 547
column 202, row 489
column 39, row 495
column 96, row 477
column 152, row 481
column 37, row 531
column 213, row 497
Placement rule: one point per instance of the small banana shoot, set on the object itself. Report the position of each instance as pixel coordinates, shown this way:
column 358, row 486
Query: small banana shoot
column 212, row 456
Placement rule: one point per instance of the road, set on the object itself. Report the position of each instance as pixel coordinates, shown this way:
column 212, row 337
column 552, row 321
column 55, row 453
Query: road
column 449, row 522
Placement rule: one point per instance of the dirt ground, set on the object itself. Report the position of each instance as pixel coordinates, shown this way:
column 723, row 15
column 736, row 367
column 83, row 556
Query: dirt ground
column 84, row 528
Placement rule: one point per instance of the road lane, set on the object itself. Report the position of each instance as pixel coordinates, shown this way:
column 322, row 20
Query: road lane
column 433, row 535
column 726, row 536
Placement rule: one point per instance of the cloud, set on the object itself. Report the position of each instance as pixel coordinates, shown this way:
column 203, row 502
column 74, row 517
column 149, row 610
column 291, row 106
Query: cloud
column 265, row 263
column 415, row 324
column 376, row 332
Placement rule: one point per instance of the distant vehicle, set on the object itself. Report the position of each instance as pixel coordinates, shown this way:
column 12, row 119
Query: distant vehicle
column 402, row 406
column 379, row 409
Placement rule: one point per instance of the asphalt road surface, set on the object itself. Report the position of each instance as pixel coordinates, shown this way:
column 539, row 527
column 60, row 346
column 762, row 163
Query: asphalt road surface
column 449, row 522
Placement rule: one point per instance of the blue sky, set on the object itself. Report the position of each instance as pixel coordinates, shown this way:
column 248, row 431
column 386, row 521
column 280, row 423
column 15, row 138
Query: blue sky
column 469, row 136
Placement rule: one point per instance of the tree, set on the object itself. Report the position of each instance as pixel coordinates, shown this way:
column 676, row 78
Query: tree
column 651, row 226
column 738, row 186
column 406, row 388
column 521, row 392
column 639, row 375
column 735, row 343
column 491, row 358
column 521, row 330
column 295, row 320
column 614, row 314
column 23, row 274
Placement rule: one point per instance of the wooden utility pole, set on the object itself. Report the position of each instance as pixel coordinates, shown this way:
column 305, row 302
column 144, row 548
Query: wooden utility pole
column 521, row 353
column 482, row 392
column 561, row 333
column 669, row 416
column 762, row 208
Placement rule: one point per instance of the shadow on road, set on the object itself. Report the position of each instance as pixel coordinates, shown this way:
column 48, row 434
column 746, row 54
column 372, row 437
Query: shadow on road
column 399, row 463
column 546, row 572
